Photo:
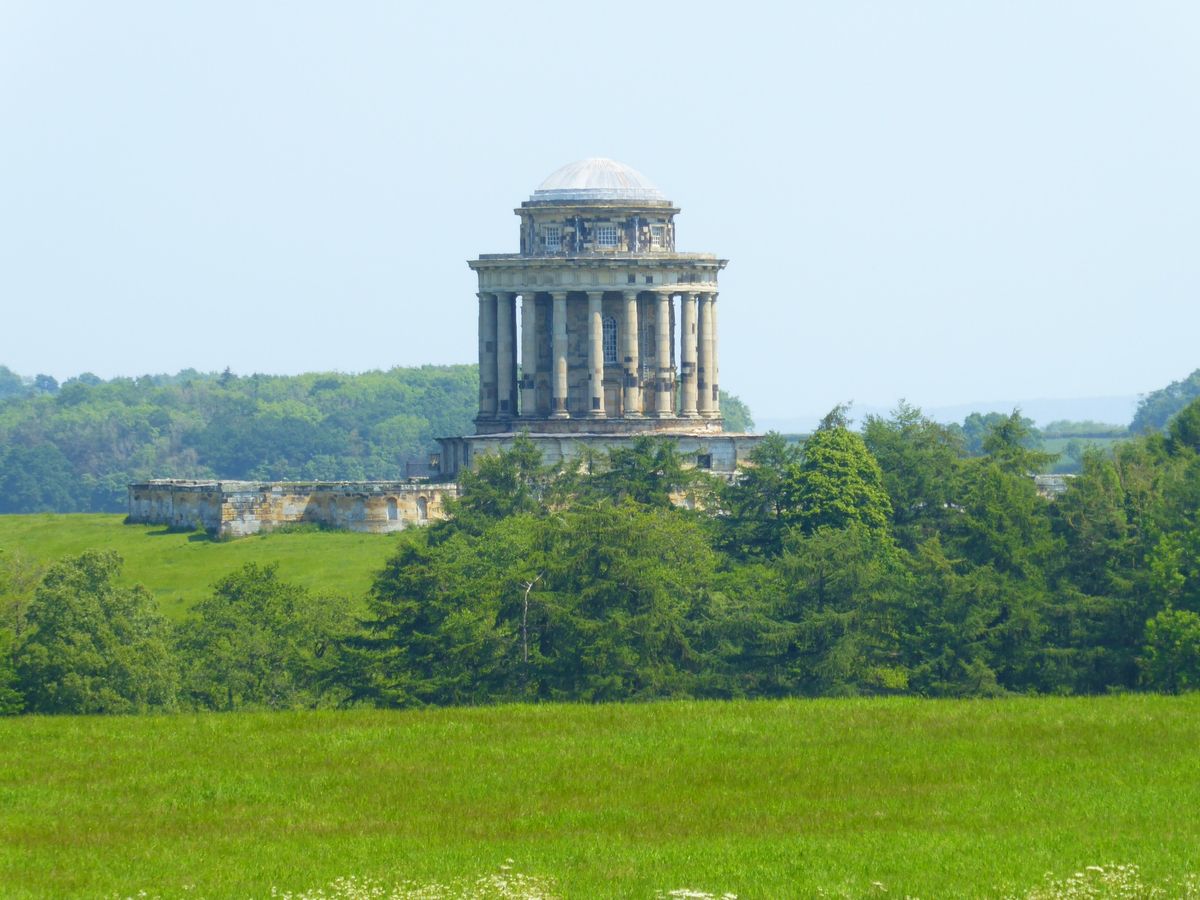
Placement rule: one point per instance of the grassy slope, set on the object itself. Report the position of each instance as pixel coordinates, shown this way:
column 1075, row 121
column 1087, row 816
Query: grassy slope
column 179, row 568
column 766, row 799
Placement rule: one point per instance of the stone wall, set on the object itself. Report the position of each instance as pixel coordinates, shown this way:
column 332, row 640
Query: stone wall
column 239, row 508
column 719, row 453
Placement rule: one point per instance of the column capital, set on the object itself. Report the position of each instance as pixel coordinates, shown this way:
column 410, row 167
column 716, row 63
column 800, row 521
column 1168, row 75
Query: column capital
column 559, row 295
column 630, row 295
column 597, row 295
column 486, row 295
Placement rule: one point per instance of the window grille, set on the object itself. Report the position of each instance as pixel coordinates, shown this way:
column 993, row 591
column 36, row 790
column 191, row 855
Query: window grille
column 606, row 235
column 552, row 237
column 609, row 329
column 658, row 237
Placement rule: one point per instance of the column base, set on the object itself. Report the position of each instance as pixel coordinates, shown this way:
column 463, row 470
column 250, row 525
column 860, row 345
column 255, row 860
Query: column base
column 596, row 414
column 657, row 414
column 689, row 415
column 560, row 414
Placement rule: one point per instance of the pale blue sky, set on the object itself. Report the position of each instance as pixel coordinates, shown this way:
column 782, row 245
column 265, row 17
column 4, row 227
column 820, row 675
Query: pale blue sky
column 941, row 201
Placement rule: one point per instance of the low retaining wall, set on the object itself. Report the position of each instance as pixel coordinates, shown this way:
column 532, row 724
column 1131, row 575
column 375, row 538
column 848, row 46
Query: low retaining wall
column 238, row 508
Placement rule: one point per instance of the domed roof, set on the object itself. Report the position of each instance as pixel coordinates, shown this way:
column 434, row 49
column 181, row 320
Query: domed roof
column 597, row 179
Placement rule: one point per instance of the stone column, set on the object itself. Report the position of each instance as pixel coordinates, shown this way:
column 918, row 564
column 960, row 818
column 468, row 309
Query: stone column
column 487, row 356
column 558, row 408
column 629, row 350
column 716, row 366
column 596, row 354
column 705, row 367
column 687, row 356
column 664, row 406
column 528, row 354
column 506, row 356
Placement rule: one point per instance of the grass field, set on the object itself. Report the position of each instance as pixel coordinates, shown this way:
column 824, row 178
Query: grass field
column 179, row 568
column 761, row 799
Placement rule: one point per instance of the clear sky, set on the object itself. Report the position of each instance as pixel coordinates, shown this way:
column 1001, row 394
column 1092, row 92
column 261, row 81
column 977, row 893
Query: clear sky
column 940, row 201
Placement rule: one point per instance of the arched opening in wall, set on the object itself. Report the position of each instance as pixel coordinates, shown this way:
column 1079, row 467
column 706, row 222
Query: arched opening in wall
column 392, row 509
column 609, row 332
column 422, row 509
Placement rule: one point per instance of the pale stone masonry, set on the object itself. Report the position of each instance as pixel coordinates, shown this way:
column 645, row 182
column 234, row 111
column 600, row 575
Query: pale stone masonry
column 241, row 508
column 617, row 328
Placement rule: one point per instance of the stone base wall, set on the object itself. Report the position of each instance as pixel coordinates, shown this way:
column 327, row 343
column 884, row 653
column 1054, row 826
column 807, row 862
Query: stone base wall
column 719, row 453
column 239, row 508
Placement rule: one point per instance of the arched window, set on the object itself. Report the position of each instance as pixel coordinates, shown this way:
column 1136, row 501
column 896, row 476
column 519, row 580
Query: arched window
column 422, row 509
column 609, row 329
column 393, row 512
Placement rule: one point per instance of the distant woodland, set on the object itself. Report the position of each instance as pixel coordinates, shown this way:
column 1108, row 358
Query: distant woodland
column 74, row 447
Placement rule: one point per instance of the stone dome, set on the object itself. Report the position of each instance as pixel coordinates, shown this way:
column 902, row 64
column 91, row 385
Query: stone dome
column 597, row 179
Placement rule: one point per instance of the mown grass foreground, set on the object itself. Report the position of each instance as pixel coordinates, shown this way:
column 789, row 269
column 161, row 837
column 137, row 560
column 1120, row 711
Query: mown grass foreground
column 762, row 799
column 179, row 568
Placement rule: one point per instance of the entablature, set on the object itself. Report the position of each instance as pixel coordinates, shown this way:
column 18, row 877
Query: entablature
column 676, row 272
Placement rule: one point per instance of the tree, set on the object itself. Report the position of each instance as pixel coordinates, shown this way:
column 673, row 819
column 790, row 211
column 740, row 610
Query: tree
column 1155, row 410
column 840, row 597
column 626, row 605
column 736, row 414
column 36, row 479
column 260, row 642
column 431, row 634
column 759, row 506
column 921, row 465
column 502, row 484
column 1012, row 443
column 1171, row 659
column 839, row 483
column 1103, row 596
column 11, row 701
column 11, row 384
column 977, row 426
column 650, row 472
column 946, row 624
column 93, row 646
column 1184, row 429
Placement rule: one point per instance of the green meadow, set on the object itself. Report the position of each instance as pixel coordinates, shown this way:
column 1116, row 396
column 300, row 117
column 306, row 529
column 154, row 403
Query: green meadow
column 887, row 797
column 179, row 568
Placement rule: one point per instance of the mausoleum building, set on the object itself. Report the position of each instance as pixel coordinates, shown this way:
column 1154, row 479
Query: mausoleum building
column 597, row 332
column 599, row 328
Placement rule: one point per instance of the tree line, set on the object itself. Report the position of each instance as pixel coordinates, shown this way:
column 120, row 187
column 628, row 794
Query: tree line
column 75, row 447
column 884, row 560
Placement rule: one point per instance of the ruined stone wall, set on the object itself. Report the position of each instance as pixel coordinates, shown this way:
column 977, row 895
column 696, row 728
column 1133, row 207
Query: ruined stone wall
column 239, row 508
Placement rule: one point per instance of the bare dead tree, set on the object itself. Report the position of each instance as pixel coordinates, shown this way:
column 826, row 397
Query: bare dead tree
column 528, row 585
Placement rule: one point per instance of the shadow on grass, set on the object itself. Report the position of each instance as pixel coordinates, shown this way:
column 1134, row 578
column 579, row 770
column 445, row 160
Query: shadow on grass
column 194, row 534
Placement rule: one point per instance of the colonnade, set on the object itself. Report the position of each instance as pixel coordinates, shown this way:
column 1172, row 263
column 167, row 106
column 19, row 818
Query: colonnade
column 644, row 393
